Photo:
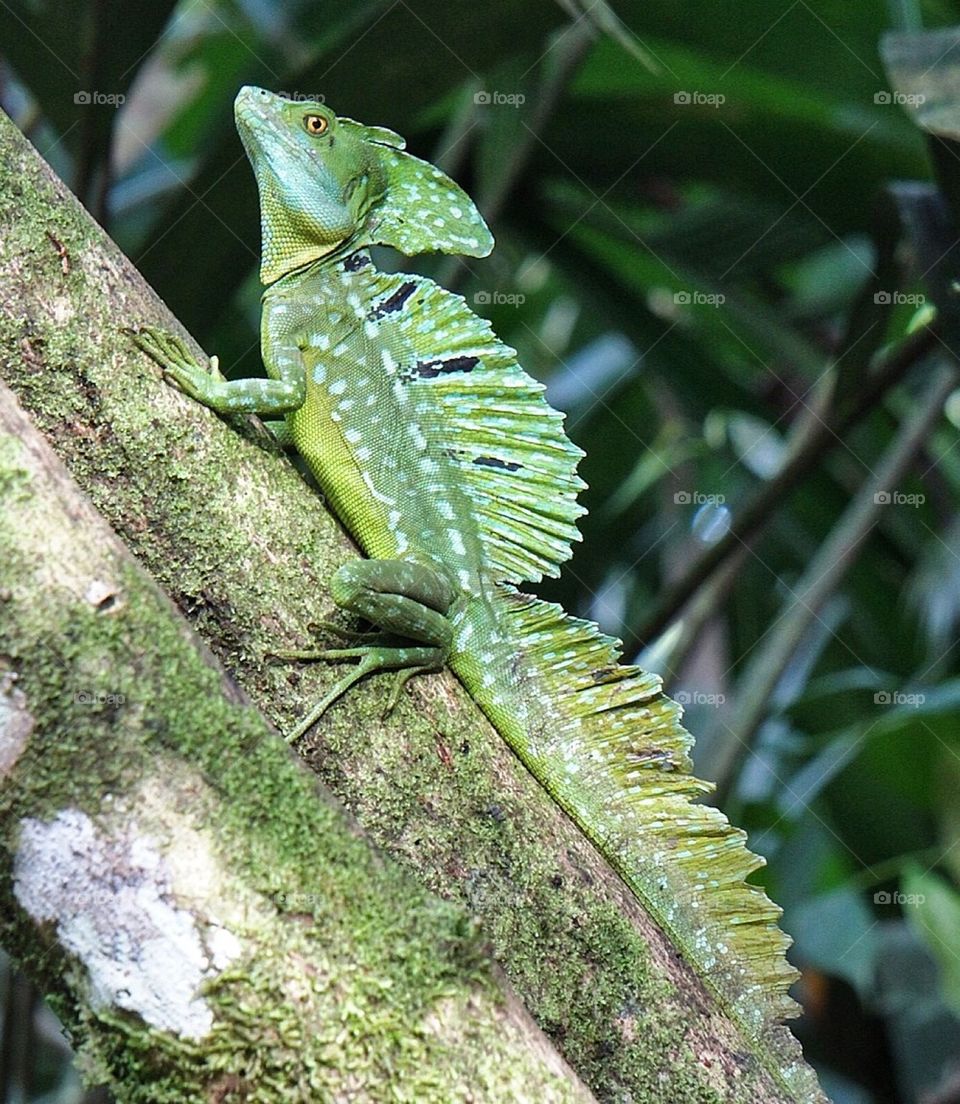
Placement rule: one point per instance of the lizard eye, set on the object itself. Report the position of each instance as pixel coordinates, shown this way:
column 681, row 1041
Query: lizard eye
column 315, row 124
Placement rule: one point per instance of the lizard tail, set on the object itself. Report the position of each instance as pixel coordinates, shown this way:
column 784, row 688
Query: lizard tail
column 608, row 745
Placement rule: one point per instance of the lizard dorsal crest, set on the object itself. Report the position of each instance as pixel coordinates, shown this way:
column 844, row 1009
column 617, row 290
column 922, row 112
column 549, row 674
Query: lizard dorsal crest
column 422, row 210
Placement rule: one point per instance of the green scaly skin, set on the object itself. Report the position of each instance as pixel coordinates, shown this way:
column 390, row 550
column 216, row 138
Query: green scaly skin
column 442, row 459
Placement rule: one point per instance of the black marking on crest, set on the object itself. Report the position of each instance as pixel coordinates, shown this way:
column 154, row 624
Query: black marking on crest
column 496, row 462
column 430, row 369
column 394, row 302
column 515, row 597
column 662, row 758
column 356, row 261
column 601, row 674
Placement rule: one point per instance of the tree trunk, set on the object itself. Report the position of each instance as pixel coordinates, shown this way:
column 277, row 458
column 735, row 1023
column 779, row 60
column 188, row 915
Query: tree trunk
column 203, row 917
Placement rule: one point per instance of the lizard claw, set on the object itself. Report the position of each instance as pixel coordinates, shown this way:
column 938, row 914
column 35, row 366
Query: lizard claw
column 164, row 347
column 400, row 680
column 180, row 367
column 331, row 627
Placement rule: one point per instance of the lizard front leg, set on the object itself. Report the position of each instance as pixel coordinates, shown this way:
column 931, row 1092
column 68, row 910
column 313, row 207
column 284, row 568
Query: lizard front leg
column 272, row 398
column 407, row 600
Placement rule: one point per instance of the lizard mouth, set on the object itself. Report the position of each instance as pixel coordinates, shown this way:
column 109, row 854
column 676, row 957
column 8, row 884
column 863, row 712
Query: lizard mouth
column 251, row 103
column 253, row 110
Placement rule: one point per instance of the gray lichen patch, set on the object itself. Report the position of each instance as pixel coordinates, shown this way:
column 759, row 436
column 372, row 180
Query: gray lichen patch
column 112, row 898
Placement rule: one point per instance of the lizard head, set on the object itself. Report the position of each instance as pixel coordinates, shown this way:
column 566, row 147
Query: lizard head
column 329, row 184
column 316, row 184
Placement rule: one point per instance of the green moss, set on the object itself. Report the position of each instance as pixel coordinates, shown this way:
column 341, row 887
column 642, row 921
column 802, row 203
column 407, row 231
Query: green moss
column 348, row 941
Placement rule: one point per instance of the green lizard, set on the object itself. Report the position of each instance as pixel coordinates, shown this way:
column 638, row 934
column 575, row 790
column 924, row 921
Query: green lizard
column 445, row 463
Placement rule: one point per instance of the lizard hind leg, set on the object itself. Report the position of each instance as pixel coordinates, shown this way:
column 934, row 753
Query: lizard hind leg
column 409, row 602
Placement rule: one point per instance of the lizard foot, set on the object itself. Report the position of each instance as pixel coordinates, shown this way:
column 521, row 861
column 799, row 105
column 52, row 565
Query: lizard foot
column 409, row 602
column 407, row 662
column 179, row 365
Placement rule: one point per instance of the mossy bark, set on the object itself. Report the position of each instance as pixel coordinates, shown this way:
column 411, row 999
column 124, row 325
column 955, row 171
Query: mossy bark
column 203, row 916
column 244, row 547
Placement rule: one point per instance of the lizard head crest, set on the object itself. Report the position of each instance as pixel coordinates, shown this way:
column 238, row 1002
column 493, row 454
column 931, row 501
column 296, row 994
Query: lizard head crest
column 328, row 182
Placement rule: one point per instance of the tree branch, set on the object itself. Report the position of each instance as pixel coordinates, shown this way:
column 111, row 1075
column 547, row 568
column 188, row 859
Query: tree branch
column 201, row 936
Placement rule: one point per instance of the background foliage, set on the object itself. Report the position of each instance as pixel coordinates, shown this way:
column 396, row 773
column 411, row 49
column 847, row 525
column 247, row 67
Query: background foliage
column 700, row 252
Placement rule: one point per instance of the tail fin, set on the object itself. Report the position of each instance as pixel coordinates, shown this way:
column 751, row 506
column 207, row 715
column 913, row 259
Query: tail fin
column 608, row 745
